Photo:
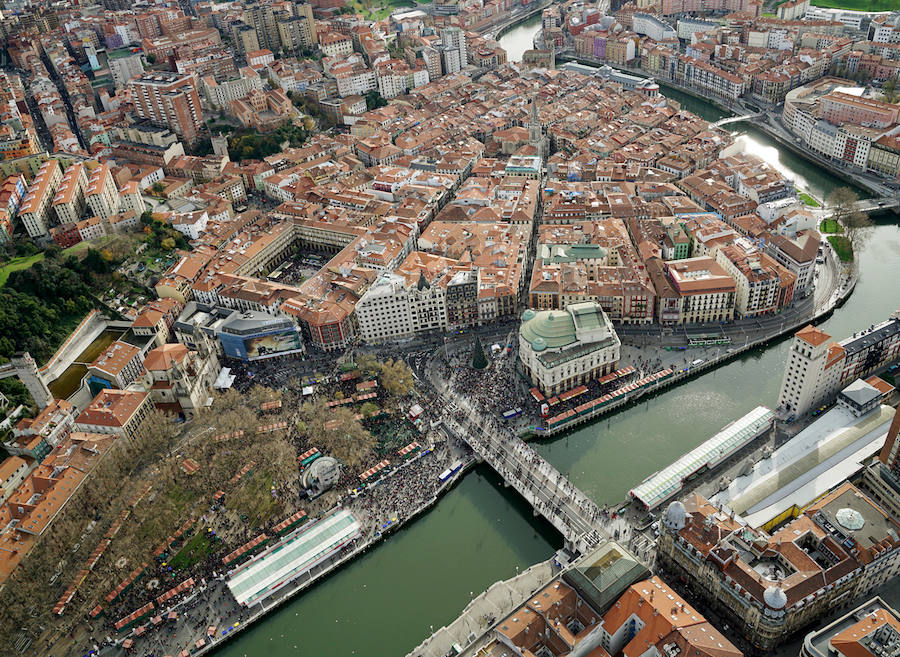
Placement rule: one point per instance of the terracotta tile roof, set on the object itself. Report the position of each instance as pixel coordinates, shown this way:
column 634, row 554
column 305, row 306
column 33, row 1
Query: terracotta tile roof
column 812, row 335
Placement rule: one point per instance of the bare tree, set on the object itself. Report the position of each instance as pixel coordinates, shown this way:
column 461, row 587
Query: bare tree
column 842, row 203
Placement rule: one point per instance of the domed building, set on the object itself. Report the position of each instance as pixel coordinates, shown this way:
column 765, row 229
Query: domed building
column 675, row 517
column 561, row 349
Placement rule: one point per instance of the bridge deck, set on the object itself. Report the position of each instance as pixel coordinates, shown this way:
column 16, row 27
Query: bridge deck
column 548, row 491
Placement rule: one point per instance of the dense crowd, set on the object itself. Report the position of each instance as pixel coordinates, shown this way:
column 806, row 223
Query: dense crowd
column 404, row 492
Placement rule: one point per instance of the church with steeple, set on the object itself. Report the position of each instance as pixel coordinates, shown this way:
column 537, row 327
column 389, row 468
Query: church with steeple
column 180, row 381
column 536, row 137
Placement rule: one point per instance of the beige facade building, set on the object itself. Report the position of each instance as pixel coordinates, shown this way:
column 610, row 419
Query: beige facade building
column 562, row 349
column 102, row 194
column 35, row 208
column 770, row 586
column 68, row 204
column 706, row 290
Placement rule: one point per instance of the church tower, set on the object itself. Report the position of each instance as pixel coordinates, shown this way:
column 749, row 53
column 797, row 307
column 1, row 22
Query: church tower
column 535, row 131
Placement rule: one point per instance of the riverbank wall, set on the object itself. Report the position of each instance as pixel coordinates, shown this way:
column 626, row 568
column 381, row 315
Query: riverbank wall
column 510, row 23
column 837, row 299
column 484, row 612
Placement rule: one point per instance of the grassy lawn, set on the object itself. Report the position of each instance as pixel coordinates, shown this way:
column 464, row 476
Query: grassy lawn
column 808, row 200
column 381, row 9
column 195, row 550
column 254, row 500
column 17, row 264
column 842, row 246
column 830, row 226
column 858, row 5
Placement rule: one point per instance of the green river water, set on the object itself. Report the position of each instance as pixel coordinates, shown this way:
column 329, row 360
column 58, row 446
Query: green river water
column 383, row 604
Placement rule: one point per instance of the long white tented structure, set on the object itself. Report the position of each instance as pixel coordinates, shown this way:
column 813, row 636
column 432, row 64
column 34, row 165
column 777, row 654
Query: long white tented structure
column 279, row 565
column 663, row 485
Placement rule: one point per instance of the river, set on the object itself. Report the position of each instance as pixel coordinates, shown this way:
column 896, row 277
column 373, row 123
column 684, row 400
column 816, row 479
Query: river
column 520, row 38
column 383, row 604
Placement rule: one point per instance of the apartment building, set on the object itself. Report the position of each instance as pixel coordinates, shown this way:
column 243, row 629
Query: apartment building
column 124, row 65
column 68, row 203
column 762, row 286
column 812, row 373
column 35, row 208
column 171, row 100
column 298, row 31
column 335, row 44
column 102, row 193
column 406, row 302
column 797, row 253
column 818, row 368
column 706, row 291
column 220, row 94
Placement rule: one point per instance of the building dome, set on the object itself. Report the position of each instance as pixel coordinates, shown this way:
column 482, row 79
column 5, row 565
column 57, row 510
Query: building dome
column 675, row 517
column 528, row 314
column 322, row 474
column 775, row 597
column 551, row 329
column 850, row 519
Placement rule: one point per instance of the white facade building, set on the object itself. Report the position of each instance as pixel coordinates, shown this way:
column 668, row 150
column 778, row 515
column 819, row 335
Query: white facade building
column 561, row 349
column 392, row 308
column 653, row 27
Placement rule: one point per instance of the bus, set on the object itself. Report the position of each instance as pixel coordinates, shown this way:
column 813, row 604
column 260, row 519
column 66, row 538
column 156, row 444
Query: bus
column 512, row 413
column 449, row 472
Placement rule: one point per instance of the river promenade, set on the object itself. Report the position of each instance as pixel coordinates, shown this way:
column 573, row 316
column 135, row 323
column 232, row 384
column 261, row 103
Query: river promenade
column 212, row 605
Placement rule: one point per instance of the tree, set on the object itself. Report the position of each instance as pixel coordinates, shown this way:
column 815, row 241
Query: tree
column 374, row 99
column 158, row 187
column 889, row 89
column 368, row 409
column 842, row 203
column 479, row 359
column 396, row 378
column 344, row 438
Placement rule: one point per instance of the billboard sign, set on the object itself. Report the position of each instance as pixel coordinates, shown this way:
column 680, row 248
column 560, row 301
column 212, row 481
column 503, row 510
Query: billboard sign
column 272, row 344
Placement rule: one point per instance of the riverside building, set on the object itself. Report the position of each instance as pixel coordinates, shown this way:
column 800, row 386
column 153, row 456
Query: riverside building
column 818, row 368
column 561, row 349
column 769, row 586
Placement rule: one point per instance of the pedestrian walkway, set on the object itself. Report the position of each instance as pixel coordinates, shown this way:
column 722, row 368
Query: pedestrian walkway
column 547, row 490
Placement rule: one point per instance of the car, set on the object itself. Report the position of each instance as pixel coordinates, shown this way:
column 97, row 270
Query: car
column 141, row 267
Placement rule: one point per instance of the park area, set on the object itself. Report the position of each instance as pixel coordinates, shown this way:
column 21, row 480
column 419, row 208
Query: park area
column 17, row 264
column 808, row 200
column 842, row 246
column 830, row 226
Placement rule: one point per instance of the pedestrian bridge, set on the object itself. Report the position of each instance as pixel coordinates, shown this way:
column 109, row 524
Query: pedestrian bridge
column 873, row 204
column 547, row 490
column 735, row 119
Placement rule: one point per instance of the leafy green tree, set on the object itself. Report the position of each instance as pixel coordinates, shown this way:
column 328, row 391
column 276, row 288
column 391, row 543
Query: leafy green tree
column 374, row 100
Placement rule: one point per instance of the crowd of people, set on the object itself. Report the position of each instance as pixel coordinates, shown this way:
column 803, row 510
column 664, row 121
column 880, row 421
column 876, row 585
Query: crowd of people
column 401, row 494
